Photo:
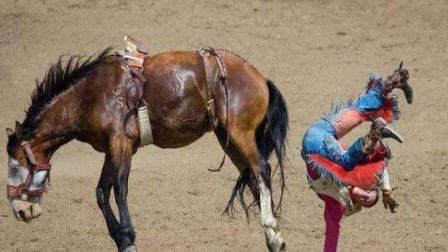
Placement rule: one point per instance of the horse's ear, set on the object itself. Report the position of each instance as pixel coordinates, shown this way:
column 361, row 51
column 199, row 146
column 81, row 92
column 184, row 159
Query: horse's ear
column 10, row 132
column 18, row 130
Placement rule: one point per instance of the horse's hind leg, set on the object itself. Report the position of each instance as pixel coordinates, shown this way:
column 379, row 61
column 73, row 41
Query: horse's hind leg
column 240, row 162
column 246, row 143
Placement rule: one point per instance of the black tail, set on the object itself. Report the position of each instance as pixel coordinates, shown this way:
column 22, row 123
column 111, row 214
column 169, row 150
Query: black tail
column 270, row 136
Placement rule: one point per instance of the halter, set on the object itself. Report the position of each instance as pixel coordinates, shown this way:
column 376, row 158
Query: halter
column 14, row 192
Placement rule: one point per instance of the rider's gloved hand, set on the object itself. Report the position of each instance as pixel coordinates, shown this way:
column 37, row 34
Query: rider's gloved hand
column 388, row 200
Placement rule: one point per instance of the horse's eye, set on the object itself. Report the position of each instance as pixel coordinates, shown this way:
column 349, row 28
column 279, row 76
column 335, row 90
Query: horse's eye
column 15, row 169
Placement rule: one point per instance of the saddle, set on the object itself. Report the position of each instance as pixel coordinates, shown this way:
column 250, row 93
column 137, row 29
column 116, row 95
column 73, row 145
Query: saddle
column 135, row 52
column 131, row 60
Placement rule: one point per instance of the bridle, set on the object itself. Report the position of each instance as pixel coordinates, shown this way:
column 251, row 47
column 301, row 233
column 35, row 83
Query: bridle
column 15, row 192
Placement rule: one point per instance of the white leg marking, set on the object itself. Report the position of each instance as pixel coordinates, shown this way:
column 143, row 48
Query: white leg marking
column 267, row 217
column 273, row 236
column 130, row 249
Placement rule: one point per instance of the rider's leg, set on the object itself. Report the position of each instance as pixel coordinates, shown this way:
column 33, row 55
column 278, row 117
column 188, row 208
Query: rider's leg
column 333, row 215
column 353, row 156
column 359, row 150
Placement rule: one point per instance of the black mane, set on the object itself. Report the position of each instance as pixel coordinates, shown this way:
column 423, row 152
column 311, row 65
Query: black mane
column 60, row 77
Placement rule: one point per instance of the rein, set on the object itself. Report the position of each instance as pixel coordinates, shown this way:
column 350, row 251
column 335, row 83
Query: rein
column 14, row 192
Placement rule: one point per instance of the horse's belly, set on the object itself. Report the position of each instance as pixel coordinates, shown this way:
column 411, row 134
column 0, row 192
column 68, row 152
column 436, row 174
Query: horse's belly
column 179, row 131
column 177, row 107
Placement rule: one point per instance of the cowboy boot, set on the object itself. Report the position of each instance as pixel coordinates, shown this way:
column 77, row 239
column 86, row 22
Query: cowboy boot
column 386, row 132
column 378, row 131
column 399, row 79
column 389, row 200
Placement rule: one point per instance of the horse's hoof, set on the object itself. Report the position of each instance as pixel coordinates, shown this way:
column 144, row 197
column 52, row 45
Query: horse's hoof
column 277, row 247
column 130, row 249
column 283, row 247
column 277, row 244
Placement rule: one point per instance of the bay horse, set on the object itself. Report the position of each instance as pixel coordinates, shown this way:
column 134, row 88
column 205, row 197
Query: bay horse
column 84, row 99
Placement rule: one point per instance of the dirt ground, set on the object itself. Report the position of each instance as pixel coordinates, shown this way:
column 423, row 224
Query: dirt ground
column 315, row 51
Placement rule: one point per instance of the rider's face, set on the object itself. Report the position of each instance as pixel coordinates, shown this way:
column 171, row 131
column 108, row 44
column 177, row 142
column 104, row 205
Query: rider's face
column 364, row 197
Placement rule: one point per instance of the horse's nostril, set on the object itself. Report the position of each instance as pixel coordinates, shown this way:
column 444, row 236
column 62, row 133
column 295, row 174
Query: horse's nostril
column 21, row 214
column 25, row 215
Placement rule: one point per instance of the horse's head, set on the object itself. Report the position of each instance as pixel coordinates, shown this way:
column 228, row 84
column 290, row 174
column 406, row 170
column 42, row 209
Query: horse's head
column 26, row 183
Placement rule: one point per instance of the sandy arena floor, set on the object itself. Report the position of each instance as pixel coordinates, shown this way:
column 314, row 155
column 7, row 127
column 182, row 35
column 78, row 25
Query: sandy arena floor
column 313, row 50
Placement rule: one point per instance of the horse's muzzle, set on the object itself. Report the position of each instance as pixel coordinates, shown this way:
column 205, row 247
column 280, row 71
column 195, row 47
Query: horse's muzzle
column 25, row 211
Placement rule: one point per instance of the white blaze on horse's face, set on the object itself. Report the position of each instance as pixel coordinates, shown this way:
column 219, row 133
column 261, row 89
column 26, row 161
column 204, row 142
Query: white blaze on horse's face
column 26, row 208
column 16, row 172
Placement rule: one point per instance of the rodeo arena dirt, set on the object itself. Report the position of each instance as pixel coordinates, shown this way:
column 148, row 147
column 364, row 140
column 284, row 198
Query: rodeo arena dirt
column 286, row 63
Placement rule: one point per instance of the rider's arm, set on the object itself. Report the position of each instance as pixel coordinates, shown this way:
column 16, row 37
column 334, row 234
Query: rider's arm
column 385, row 181
column 388, row 197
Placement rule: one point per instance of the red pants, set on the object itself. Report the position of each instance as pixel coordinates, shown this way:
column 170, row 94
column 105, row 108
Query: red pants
column 333, row 214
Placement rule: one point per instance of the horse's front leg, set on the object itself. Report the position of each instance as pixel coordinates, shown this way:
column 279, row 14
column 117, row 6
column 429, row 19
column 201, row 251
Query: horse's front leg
column 107, row 179
column 121, row 155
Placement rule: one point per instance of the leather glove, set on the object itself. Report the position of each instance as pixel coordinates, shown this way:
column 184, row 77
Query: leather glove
column 388, row 200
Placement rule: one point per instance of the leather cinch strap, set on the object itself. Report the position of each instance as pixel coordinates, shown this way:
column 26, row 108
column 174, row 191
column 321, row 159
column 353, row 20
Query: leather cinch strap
column 206, row 52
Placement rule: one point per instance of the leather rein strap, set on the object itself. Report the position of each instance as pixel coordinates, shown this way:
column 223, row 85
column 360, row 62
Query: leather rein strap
column 14, row 192
column 206, row 52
